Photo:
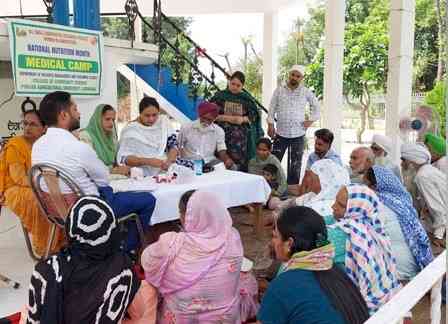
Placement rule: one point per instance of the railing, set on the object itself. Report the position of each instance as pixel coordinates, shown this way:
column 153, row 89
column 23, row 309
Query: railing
column 184, row 64
column 429, row 279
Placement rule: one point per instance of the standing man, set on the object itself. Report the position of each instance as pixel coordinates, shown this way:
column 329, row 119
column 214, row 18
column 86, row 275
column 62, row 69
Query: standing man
column 287, row 109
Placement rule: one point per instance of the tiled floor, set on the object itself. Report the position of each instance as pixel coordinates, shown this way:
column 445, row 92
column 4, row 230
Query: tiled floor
column 15, row 263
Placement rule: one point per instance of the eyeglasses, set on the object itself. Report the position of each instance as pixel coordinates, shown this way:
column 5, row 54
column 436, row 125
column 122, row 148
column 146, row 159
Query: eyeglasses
column 375, row 148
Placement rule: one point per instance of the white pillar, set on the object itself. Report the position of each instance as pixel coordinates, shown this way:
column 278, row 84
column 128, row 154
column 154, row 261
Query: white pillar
column 399, row 78
column 333, row 77
column 138, row 29
column 270, row 45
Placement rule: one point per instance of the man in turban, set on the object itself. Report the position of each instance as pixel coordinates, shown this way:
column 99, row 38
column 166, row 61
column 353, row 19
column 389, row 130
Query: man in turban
column 203, row 138
column 432, row 190
column 437, row 147
column 382, row 148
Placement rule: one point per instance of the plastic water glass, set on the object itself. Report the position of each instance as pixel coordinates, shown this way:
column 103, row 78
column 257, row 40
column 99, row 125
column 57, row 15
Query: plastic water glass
column 198, row 164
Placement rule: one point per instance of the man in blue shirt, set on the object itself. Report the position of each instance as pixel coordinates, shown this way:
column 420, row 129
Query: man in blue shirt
column 323, row 138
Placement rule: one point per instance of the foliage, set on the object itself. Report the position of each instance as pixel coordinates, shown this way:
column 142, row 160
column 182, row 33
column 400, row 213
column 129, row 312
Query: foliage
column 254, row 76
column 303, row 43
column 118, row 27
column 436, row 99
column 365, row 57
column 425, row 45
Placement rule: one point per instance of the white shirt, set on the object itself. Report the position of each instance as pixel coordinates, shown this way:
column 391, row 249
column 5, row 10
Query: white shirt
column 288, row 107
column 194, row 139
column 432, row 186
column 442, row 164
column 59, row 147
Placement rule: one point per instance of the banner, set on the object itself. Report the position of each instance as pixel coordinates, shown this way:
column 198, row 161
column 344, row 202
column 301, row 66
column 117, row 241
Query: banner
column 48, row 57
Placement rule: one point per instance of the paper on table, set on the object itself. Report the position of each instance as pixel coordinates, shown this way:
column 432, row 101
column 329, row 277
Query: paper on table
column 145, row 184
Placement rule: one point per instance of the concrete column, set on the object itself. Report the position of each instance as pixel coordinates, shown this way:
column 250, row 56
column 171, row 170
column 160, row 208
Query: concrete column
column 333, row 77
column 270, row 55
column 138, row 28
column 399, row 78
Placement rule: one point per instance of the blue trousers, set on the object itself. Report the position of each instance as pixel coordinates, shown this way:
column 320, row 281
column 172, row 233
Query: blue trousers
column 125, row 203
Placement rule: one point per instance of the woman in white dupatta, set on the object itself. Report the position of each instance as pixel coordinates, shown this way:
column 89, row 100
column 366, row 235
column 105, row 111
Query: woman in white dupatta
column 150, row 142
column 321, row 184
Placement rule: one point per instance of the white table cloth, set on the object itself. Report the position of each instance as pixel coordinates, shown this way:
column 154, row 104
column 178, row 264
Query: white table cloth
column 234, row 188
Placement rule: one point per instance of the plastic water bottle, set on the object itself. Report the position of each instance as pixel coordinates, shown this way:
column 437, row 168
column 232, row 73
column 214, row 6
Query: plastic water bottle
column 198, row 163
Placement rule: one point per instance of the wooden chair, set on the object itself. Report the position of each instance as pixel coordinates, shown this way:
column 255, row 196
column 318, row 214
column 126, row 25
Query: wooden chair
column 56, row 205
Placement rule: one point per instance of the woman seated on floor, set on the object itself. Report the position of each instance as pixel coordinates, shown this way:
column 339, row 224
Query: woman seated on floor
column 320, row 185
column 101, row 134
column 410, row 243
column 197, row 271
column 311, row 289
column 92, row 280
column 15, row 163
column 360, row 237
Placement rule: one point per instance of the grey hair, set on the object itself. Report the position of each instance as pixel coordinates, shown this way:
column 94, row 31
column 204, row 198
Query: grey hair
column 370, row 156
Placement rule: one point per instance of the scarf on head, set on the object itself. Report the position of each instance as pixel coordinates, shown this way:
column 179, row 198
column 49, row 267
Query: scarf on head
column 177, row 261
column 393, row 195
column 368, row 262
column 332, row 177
column 255, row 130
column 437, row 143
column 383, row 141
column 415, row 152
column 89, row 282
column 319, row 259
column 105, row 145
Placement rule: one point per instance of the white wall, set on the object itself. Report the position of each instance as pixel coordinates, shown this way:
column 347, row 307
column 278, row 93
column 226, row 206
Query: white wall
column 108, row 89
column 9, row 110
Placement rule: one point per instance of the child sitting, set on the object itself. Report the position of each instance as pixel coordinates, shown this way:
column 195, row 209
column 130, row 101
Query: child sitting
column 264, row 157
column 270, row 172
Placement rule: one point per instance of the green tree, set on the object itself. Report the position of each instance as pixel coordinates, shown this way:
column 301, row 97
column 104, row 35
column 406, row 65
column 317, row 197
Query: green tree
column 436, row 99
column 365, row 58
column 304, row 41
column 251, row 65
column 428, row 43
column 118, row 27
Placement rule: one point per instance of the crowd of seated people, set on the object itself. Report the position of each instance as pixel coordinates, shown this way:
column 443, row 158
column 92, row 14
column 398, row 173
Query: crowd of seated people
column 347, row 237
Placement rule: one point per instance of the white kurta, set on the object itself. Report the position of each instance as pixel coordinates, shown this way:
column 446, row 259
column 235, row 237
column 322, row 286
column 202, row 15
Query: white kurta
column 432, row 187
column 442, row 164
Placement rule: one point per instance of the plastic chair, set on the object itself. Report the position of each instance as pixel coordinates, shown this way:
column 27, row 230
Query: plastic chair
column 56, row 205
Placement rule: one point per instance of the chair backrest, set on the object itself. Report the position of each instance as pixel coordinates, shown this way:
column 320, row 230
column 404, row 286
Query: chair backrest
column 46, row 181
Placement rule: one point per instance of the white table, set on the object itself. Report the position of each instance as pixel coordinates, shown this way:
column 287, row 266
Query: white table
column 234, row 188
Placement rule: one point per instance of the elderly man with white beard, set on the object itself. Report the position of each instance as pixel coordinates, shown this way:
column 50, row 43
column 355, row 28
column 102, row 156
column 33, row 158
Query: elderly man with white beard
column 432, row 189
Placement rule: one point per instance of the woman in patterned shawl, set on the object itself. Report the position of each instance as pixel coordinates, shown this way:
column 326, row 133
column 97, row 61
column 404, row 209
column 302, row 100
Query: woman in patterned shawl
column 92, row 280
column 368, row 258
column 240, row 118
column 412, row 241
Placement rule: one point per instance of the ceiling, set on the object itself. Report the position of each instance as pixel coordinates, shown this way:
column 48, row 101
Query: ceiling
column 169, row 7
